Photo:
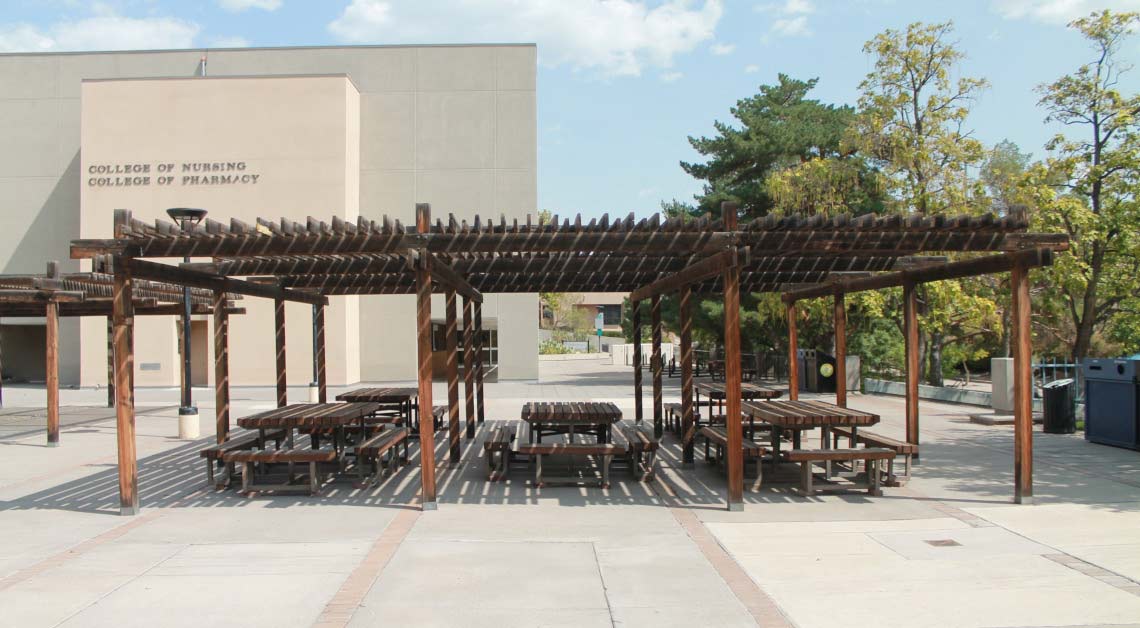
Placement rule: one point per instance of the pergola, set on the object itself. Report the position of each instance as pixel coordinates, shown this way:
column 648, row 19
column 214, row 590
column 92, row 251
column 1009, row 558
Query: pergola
column 53, row 295
column 649, row 258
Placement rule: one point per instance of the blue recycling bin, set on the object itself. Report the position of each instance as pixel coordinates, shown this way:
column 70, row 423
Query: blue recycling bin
column 1112, row 401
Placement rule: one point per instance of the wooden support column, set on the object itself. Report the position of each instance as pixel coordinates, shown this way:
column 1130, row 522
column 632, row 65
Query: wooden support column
column 655, row 364
column 423, row 345
column 319, row 345
column 479, row 360
column 2, row 377
column 732, row 377
column 123, row 316
column 910, row 338
column 840, row 350
column 52, row 375
column 279, row 338
column 469, row 366
column 638, row 411
column 221, row 367
column 110, row 362
column 688, row 426
column 452, row 363
column 793, row 351
column 1022, row 344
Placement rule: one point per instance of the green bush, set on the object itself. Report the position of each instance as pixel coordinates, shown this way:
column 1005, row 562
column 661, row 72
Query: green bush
column 554, row 347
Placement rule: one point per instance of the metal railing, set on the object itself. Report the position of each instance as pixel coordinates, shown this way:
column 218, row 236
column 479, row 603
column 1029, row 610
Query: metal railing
column 1052, row 369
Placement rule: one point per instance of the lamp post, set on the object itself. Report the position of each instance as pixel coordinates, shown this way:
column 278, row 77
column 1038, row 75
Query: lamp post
column 186, row 218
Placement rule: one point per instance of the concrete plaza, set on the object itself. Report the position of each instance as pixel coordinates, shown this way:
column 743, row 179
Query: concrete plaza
column 948, row 549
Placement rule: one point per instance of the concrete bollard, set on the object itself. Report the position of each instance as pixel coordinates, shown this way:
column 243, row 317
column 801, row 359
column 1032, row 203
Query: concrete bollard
column 314, row 394
column 188, row 424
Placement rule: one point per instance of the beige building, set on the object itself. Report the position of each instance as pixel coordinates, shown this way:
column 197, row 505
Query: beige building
column 243, row 133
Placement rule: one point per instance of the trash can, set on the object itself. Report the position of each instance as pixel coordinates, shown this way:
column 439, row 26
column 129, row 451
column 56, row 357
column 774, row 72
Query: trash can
column 825, row 373
column 1112, row 402
column 1060, row 407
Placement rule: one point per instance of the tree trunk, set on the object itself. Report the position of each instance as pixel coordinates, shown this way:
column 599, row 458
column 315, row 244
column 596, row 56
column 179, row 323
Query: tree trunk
column 934, row 372
column 1087, row 324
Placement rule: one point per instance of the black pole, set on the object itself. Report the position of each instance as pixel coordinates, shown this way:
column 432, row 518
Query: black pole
column 187, row 391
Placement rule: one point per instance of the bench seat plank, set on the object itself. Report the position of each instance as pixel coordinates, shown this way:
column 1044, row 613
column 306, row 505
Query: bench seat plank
column 817, row 455
column 297, row 454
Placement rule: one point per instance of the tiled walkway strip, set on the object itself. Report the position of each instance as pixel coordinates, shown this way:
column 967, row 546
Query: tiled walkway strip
column 1091, row 570
column 340, row 608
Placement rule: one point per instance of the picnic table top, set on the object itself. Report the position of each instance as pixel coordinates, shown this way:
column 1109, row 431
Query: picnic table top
column 806, row 414
column 309, row 415
column 571, row 413
column 381, row 395
column 748, row 390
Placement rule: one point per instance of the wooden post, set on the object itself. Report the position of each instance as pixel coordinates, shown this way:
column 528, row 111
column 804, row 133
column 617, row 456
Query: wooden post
column 655, row 364
column 732, row 377
column 479, row 360
column 322, row 372
column 110, row 362
column 279, row 337
column 840, row 350
column 221, row 367
column 638, row 411
column 52, row 375
column 793, row 351
column 469, row 365
column 1022, row 343
column 2, row 373
column 423, row 344
column 452, row 362
column 122, row 309
column 910, row 338
column 688, row 427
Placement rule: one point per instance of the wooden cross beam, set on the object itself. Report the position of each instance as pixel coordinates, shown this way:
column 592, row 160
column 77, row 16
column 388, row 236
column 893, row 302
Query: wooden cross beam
column 196, row 279
column 705, row 269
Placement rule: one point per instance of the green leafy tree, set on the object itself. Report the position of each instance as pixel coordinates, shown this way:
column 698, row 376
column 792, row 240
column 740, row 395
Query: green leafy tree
column 1087, row 187
column 777, row 128
column 912, row 122
column 1003, row 173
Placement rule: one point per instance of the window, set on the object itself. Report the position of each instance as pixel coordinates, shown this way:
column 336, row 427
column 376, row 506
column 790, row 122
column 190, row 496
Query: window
column 611, row 314
column 490, row 343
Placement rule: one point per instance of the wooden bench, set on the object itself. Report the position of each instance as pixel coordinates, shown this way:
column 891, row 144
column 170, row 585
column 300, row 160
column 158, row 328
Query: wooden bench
column 641, row 449
column 604, row 451
column 370, row 454
column 311, row 457
column 718, row 437
column 497, row 449
column 246, row 440
column 870, row 456
column 870, row 439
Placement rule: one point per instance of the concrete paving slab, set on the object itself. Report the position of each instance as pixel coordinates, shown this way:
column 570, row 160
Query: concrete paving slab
column 957, row 544
column 431, row 616
column 492, row 575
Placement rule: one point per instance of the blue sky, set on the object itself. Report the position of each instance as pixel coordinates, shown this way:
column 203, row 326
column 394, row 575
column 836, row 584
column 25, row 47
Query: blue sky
column 621, row 83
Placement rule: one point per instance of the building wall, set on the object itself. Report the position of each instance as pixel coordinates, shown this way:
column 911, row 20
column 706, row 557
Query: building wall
column 454, row 126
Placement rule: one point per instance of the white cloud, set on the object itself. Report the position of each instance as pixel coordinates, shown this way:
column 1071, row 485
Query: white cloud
column 242, row 5
column 100, row 32
column 751, row 69
column 789, row 19
column 236, row 41
column 609, row 37
column 722, row 49
column 671, row 77
column 1058, row 11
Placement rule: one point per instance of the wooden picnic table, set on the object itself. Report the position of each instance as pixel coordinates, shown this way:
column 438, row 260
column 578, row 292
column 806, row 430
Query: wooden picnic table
column 804, row 415
column 570, row 417
column 334, row 416
column 403, row 399
column 715, row 391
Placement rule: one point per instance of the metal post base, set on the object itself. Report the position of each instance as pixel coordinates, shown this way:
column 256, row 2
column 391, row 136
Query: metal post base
column 128, row 511
column 53, row 443
column 429, row 506
column 1024, row 500
column 314, row 393
column 735, row 507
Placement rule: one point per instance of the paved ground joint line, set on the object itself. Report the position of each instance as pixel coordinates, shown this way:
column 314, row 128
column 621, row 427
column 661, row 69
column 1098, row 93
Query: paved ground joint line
column 340, row 609
column 605, row 589
column 761, row 606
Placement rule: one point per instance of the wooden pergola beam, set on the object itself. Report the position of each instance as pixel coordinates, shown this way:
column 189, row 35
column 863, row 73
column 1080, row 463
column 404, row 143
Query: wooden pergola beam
column 180, row 276
column 953, row 270
column 707, row 268
column 453, row 282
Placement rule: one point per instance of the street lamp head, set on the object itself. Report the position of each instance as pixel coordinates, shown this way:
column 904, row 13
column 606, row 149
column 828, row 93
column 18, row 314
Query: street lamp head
column 186, row 216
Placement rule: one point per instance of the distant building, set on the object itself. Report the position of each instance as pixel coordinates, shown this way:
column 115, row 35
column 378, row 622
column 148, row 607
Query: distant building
column 269, row 132
column 608, row 303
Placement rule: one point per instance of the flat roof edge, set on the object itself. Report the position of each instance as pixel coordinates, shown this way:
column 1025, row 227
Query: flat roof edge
column 206, row 49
